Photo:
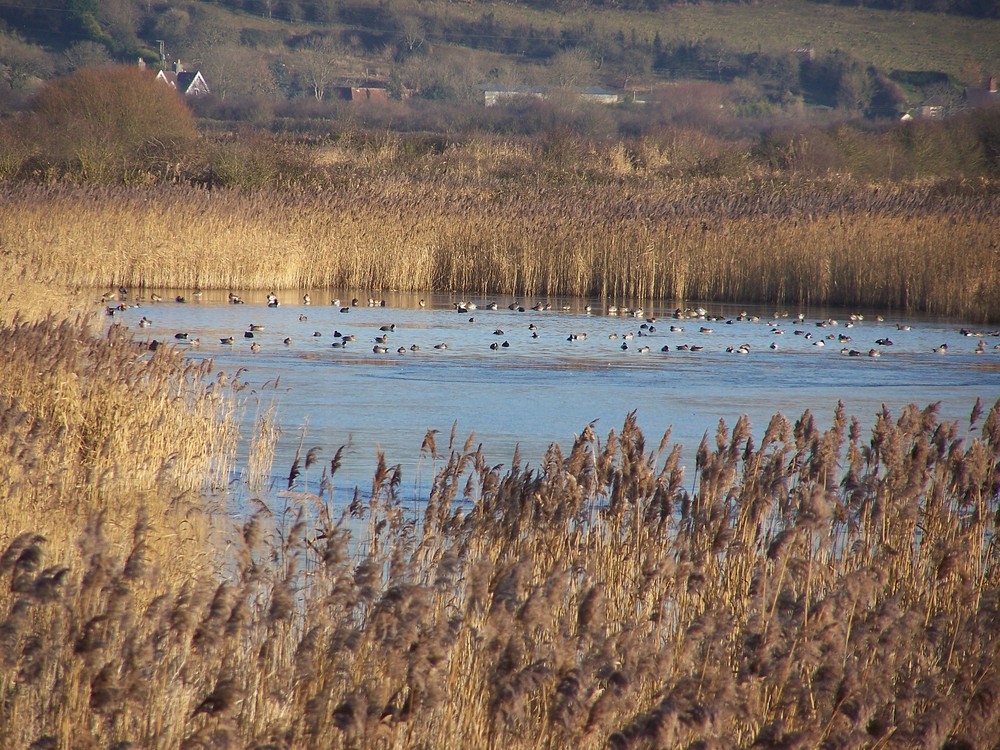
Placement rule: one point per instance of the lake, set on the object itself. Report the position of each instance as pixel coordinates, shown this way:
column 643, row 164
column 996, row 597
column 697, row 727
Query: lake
column 535, row 377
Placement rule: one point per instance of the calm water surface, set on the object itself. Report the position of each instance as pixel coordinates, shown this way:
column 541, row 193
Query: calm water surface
column 538, row 391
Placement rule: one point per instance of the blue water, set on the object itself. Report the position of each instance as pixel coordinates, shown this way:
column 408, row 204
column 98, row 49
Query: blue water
column 539, row 391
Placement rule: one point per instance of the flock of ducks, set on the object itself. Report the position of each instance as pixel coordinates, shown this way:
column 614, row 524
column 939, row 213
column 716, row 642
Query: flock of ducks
column 698, row 320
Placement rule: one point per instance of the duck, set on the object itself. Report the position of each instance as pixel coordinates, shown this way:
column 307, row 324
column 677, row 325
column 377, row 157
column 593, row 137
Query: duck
column 303, row 318
column 272, row 300
column 288, row 341
column 306, row 299
column 401, row 350
column 181, row 336
column 494, row 346
column 422, row 303
column 380, row 349
column 414, row 348
column 235, row 299
column 229, row 340
column 256, row 327
column 146, row 322
column 943, row 349
column 382, row 339
column 255, row 347
column 155, row 297
column 390, row 327
column 335, row 302
column 317, row 334
column 440, row 347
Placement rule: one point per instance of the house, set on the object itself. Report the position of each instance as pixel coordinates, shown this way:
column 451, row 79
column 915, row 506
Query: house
column 983, row 96
column 494, row 94
column 368, row 91
column 189, row 83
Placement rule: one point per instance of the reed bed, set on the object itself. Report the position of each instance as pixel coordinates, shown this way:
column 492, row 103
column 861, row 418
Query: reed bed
column 451, row 224
column 824, row 588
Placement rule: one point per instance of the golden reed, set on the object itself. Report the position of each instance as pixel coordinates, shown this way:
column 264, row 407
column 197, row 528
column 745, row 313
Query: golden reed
column 911, row 247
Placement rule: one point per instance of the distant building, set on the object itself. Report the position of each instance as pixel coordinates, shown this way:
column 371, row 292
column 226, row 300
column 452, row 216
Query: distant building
column 983, row 96
column 369, row 91
column 189, row 83
column 494, row 94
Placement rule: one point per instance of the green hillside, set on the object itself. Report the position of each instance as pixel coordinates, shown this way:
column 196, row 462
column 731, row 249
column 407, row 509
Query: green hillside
column 442, row 50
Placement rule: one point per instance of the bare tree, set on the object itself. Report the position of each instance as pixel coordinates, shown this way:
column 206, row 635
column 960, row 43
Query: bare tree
column 317, row 62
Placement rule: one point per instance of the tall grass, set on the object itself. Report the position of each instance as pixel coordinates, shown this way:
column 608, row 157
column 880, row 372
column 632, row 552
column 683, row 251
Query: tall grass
column 451, row 224
column 821, row 587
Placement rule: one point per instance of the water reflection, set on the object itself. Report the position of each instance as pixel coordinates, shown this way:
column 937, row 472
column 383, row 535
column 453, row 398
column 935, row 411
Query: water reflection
column 560, row 369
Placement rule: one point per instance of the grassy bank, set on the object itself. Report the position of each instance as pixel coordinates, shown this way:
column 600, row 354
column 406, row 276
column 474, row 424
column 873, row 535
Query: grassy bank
column 823, row 586
column 916, row 246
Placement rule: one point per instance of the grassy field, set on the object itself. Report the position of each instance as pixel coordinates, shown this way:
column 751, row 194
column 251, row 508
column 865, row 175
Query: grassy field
column 891, row 40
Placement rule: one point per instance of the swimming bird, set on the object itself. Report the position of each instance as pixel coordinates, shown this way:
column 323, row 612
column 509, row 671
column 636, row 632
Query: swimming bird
column 255, row 347
column 401, row 350
column 335, row 302
column 288, row 341
column 883, row 342
column 181, row 336
column 345, row 309
column 145, row 322
column 441, row 346
column 156, row 297
column 272, row 299
column 256, row 327
column 179, row 298
column 414, row 348
column 382, row 339
column 391, row 327
column 505, row 344
column 303, row 318
column 306, row 299
column 422, row 303
column 247, row 335
column 316, row 334
column 235, row 299
column 380, row 349
column 494, row 346
column 943, row 349
column 228, row 340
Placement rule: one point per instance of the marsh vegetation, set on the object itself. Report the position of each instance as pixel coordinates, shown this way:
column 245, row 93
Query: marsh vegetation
column 818, row 587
